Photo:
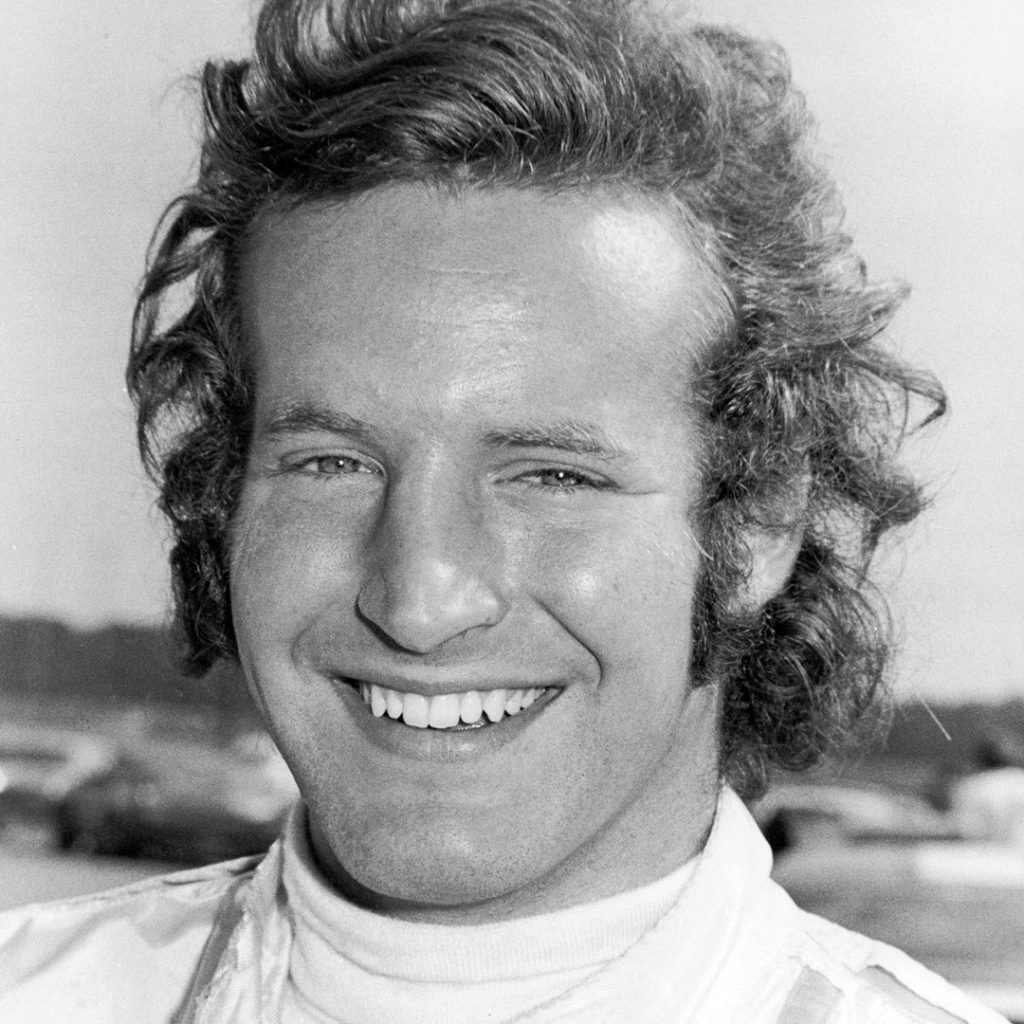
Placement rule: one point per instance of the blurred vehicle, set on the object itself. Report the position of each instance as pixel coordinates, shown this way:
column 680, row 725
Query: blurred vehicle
column 989, row 804
column 956, row 906
column 798, row 814
column 38, row 768
column 187, row 803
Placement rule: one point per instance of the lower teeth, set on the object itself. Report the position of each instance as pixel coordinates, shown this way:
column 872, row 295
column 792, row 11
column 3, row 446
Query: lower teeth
column 464, row 726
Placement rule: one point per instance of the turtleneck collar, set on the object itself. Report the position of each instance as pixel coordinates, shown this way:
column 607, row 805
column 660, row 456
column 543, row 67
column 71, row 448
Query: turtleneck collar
column 350, row 964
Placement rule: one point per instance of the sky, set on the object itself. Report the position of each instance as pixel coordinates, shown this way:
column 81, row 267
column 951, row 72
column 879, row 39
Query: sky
column 921, row 112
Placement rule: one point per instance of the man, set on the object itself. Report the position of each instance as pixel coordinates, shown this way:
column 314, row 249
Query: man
column 526, row 438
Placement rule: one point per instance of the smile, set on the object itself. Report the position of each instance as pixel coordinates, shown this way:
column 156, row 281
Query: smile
column 469, row 710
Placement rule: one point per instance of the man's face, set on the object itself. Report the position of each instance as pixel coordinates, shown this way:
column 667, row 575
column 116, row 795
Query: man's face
column 469, row 488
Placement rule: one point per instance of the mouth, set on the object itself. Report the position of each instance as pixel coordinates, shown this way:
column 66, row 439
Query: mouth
column 450, row 712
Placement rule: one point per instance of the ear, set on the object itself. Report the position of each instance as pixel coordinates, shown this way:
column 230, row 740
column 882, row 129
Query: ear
column 772, row 554
column 772, row 549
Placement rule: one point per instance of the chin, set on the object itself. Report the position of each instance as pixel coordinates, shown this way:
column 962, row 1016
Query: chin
column 441, row 872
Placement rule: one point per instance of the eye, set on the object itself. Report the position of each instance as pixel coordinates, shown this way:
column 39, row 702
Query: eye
column 334, row 465
column 563, row 479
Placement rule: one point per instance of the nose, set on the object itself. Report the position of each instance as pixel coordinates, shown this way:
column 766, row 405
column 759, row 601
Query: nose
column 435, row 572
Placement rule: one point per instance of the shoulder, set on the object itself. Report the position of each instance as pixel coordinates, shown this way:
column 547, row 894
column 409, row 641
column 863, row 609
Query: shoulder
column 82, row 958
column 868, row 982
column 799, row 968
column 176, row 895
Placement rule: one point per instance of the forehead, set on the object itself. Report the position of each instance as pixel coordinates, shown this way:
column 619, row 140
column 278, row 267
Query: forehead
column 506, row 278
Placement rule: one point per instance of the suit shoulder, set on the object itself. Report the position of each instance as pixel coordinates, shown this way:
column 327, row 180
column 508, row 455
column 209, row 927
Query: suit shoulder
column 882, row 985
column 82, row 958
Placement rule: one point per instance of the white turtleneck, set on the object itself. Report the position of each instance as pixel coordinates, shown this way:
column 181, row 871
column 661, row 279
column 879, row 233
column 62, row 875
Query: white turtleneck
column 350, row 966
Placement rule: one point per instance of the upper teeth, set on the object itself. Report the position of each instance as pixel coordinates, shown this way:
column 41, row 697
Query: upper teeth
column 447, row 709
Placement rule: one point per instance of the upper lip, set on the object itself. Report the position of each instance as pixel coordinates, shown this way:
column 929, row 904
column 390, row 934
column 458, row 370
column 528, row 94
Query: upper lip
column 432, row 684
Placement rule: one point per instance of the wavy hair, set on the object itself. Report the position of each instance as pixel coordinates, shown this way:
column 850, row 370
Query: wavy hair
column 797, row 397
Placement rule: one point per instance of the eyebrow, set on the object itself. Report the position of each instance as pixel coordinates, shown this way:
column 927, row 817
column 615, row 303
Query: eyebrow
column 305, row 418
column 572, row 436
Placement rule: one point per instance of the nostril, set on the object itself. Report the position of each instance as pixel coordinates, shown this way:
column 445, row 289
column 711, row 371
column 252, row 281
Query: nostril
column 420, row 614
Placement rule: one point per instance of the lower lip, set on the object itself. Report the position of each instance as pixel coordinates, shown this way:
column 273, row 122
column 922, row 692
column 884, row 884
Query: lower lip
column 455, row 744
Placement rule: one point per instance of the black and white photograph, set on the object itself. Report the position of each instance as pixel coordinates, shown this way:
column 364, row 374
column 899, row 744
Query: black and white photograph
column 512, row 511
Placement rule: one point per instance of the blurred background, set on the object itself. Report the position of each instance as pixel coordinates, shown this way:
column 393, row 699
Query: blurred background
column 112, row 765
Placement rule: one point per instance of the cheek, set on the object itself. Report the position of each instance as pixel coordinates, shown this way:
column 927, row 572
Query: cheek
column 286, row 561
column 626, row 593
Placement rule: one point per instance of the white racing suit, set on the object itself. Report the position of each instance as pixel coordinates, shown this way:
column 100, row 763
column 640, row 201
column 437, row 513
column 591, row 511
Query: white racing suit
column 211, row 946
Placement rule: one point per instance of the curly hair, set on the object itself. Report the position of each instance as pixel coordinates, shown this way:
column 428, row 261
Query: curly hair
column 796, row 397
